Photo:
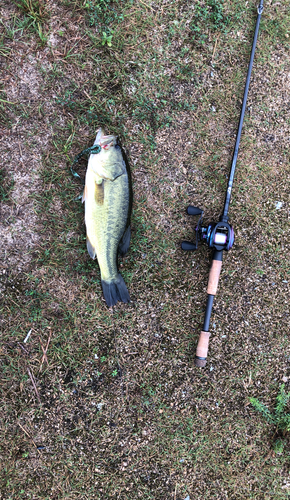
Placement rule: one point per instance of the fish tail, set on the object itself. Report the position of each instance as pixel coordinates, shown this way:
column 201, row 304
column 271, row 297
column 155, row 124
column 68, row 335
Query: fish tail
column 115, row 290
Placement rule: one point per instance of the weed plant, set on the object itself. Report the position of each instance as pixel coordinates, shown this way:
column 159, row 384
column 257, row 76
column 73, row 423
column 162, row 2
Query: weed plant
column 279, row 418
column 208, row 17
column 102, row 14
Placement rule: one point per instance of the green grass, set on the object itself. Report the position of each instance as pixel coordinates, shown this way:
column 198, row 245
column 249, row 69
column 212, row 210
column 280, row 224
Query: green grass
column 6, row 185
column 34, row 15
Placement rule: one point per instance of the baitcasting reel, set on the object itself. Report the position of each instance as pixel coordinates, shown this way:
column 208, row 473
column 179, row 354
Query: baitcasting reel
column 218, row 235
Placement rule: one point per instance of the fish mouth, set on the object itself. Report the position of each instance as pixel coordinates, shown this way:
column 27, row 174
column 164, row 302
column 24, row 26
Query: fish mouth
column 105, row 141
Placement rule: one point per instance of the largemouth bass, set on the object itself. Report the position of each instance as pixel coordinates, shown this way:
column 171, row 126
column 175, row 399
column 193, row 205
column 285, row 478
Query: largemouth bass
column 107, row 197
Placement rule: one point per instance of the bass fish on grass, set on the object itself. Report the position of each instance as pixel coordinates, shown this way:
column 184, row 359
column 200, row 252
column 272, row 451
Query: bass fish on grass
column 108, row 198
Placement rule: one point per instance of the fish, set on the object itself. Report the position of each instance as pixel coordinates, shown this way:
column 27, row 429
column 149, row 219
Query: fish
column 108, row 201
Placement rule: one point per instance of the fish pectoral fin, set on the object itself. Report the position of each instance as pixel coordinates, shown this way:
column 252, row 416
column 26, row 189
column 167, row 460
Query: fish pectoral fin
column 91, row 249
column 99, row 193
column 125, row 242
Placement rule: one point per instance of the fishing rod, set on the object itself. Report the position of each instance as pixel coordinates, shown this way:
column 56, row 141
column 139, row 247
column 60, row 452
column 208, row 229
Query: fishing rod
column 219, row 235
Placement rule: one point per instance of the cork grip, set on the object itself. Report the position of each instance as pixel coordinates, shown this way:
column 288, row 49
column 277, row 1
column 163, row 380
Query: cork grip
column 202, row 348
column 214, row 275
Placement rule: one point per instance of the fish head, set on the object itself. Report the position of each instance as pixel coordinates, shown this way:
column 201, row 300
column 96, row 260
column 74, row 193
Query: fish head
column 108, row 163
column 105, row 141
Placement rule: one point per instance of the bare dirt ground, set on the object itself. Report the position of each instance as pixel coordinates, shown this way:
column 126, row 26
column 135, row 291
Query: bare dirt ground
column 116, row 408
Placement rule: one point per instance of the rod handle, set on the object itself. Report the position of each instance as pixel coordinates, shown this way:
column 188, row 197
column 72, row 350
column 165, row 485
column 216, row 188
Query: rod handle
column 214, row 275
column 201, row 350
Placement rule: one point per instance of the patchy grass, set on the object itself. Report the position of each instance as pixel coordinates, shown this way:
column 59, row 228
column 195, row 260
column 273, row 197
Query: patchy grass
column 6, row 185
column 117, row 409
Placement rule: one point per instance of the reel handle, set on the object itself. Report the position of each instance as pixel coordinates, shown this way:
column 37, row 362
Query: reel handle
column 188, row 245
column 193, row 210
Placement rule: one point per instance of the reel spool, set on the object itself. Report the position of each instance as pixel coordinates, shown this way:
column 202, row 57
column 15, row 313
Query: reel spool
column 218, row 235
